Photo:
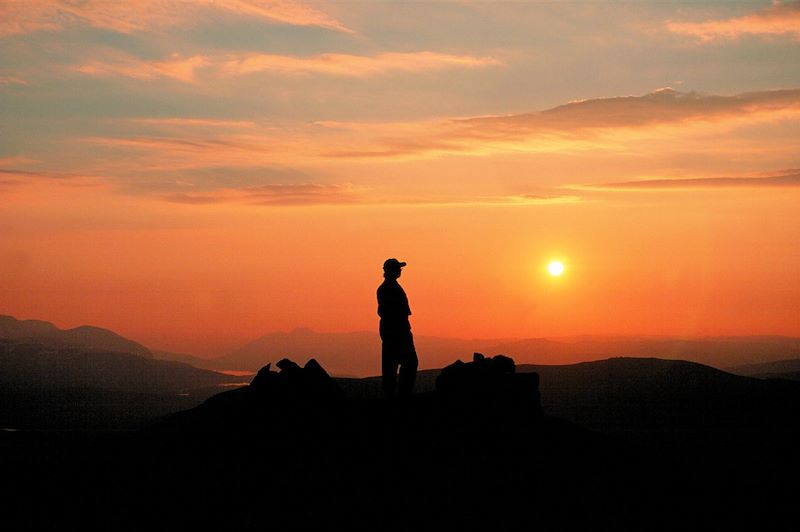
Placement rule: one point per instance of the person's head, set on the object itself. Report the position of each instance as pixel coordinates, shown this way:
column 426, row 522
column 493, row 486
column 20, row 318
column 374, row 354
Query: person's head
column 392, row 268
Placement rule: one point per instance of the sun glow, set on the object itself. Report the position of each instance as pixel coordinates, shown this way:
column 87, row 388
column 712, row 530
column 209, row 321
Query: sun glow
column 555, row 268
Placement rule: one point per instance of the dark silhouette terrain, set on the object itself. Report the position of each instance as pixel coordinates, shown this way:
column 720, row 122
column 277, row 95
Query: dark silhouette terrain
column 56, row 387
column 778, row 369
column 664, row 398
column 296, row 450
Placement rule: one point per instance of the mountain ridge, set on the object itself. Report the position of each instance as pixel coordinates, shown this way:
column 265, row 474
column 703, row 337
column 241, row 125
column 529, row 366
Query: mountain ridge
column 357, row 353
column 88, row 337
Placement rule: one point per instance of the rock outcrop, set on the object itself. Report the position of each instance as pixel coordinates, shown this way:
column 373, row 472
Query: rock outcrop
column 492, row 384
column 310, row 382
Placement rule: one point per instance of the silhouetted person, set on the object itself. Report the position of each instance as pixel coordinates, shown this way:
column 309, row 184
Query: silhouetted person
column 398, row 343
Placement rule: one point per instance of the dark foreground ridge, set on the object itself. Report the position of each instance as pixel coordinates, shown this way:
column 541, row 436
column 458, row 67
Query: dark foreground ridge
column 292, row 451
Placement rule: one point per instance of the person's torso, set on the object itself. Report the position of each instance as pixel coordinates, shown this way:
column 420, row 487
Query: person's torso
column 392, row 302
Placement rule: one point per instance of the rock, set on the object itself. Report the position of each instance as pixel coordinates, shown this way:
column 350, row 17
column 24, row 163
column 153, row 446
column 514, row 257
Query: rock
column 490, row 383
column 310, row 382
column 262, row 377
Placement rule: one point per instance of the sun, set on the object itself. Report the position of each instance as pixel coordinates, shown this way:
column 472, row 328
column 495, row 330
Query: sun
column 555, row 268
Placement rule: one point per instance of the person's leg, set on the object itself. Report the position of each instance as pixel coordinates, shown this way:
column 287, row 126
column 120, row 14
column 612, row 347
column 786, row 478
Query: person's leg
column 408, row 368
column 388, row 369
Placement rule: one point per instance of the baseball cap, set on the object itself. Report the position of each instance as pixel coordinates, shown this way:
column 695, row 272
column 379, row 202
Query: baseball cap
column 393, row 264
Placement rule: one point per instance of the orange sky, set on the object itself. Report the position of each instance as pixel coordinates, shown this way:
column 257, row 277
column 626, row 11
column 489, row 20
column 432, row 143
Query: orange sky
column 194, row 178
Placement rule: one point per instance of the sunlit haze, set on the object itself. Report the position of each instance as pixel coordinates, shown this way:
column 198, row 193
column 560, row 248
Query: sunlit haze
column 193, row 175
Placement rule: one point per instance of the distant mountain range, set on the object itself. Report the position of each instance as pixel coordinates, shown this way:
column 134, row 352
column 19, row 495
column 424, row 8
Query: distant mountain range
column 358, row 353
column 84, row 337
column 39, row 360
column 88, row 377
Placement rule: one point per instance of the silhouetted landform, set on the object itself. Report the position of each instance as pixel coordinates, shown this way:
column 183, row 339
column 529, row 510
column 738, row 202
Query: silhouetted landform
column 45, row 387
column 481, row 385
column 292, row 451
column 716, row 351
column 490, row 383
column 643, row 397
column 192, row 360
column 646, row 396
column 294, row 391
column 86, row 337
column 780, row 369
column 353, row 354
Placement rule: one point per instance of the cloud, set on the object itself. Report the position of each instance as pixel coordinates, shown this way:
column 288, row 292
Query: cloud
column 585, row 124
column 778, row 19
column 288, row 12
column 659, row 107
column 303, row 194
column 195, row 199
column 20, row 17
column 307, row 194
column 275, row 195
column 209, row 123
column 345, row 65
column 13, row 172
column 353, row 65
column 178, row 68
column 179, row 144
column 10, row 80
column 187, row 149
column 787, row 178
column 13, row 177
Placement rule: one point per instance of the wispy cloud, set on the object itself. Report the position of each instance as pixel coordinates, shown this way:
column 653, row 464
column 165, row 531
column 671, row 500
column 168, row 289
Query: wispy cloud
column 662, row 106
column 11, row 80
column 14, row 172
column 177, row 67
column 345, row 65
column 275, row 194
column 353, row 65
column 187, row 149
column 778, row 19
column 183, row 144
column 786, row 178
column 291, row 12
column 19, row 17
column 308, row 194
column 586, row 124
column 13, row 177
column 193, row 122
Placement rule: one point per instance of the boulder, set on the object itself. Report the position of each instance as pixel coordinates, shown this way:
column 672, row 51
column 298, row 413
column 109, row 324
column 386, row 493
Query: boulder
column 489, row 383
column 310, row 382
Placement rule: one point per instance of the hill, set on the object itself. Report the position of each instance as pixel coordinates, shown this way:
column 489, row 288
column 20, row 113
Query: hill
column 780, row 369
column 643, row 396
column 42, row 386
column 639, row 397
column 357, row 354
column 86, row 337
column 716, row 351
column 293, row 451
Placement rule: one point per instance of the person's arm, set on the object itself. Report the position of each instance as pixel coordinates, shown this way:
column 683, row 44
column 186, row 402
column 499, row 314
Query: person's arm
column 381, row 303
